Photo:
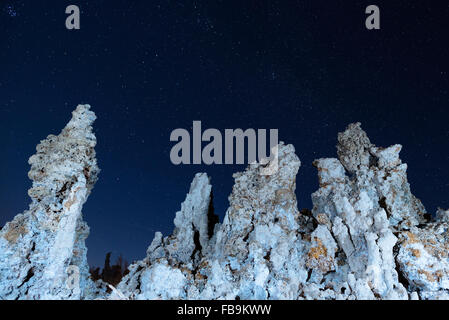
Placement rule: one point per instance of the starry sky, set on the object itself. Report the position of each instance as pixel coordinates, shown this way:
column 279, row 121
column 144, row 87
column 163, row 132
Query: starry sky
column 307, row 68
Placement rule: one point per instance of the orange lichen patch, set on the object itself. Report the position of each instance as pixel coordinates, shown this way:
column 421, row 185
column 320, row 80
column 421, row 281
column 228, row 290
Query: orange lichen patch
column 317, row 257
column 411, row 238
column 185, row 270
column 439, row 274
column 69, row 203
column 430, row 276
column 15, row 229
column 416, row 252
column 200, row 276
column 318, row 251
column 439, row 251
column 435, row 246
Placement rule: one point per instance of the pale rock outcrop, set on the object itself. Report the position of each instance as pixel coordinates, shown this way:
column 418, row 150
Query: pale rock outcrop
column 258, row 251
column 367, row 236
column 171, row 261
column 42, row 251
column 345, row 248
column 355, row 203
column 423, row 257
column 381, row 171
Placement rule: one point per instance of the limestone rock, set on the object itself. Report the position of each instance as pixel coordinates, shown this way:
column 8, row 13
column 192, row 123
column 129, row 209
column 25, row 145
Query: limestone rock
column 367, row 236
column 171, row 261
column 363, row 197
column 259, row 250
column 42, row 251
column 345, row 248
column 423, row 258
column 256, row 253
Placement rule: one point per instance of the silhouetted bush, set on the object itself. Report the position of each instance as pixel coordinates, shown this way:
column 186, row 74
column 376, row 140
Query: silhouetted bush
column 110, row 274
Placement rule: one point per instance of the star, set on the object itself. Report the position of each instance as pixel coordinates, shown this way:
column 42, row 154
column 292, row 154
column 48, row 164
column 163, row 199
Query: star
column 11, row 11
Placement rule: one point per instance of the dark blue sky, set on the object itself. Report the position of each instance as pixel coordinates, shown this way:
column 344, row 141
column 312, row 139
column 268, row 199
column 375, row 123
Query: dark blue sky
column 308, row 68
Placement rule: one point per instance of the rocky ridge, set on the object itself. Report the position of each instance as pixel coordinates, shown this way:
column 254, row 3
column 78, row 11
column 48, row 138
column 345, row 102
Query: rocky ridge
column 366, row 237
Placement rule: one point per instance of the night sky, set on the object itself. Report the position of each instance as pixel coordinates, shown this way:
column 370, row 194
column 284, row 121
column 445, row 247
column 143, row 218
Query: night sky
column 307, row 68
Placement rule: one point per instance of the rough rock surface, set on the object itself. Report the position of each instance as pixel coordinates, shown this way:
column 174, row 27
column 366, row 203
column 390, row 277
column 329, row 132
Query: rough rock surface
column 170, row 261
column 367, row 236
column 424, row 257
column 356, row 203
column 42, row 251
column 358, row 242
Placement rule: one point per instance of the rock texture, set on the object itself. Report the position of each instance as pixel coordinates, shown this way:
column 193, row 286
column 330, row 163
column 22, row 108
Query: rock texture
column 366, row 237
column 423, row 257
column 250, row 255
column 363, row 197
column 42, row 251
column 171, row 261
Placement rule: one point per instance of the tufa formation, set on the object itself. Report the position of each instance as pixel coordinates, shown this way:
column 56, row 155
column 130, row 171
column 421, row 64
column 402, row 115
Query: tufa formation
column 366, row 237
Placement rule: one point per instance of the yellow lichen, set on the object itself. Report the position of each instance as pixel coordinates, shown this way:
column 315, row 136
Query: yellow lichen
column 430, row 277
column 416, row 252
column 15, row 229
column 318, row 251
column 318, row 257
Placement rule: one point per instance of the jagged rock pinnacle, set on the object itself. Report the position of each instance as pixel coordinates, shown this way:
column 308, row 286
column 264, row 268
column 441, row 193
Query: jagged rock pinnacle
column 345, row 248
column 367, row 236
column 42, row 247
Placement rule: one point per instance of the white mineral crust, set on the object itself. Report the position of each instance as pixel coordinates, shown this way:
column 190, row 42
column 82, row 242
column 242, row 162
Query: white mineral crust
column 367, row 236
column 347, row 247
column 42, row 251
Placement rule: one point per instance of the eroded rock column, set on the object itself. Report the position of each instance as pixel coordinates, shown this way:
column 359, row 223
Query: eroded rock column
column 42, row 251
